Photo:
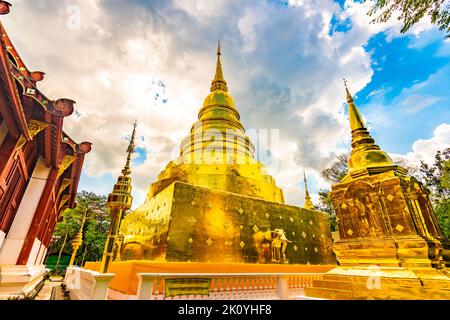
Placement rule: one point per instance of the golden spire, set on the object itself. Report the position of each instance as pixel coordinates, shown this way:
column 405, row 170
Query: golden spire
column 119, row 201
column 130, row 150
column 219, row 82
column 356, row 120
column 366, row 157
column 308, row 202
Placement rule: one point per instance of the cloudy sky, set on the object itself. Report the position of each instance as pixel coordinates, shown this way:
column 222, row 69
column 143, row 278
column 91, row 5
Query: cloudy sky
column 284, row 62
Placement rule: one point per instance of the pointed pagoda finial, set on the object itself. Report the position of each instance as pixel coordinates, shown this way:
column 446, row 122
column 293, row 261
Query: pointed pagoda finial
column 366, row 157
column 356, row 120
column 349, row 96
column 219, row 82
column 308, row 202
column 130, row 150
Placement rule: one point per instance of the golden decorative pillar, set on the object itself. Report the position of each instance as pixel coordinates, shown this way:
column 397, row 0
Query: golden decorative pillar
column 386, row 222
column 77, row 242
column 119, row 201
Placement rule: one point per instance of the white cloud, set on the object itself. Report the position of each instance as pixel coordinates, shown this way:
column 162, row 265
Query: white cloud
column 357, row 12
column 414, row 103
column 283, row 67
column 425, row 149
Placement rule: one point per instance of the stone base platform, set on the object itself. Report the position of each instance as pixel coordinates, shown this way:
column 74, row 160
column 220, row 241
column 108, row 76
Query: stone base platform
column 187, row 223
column 19, row 281
column 385, row 283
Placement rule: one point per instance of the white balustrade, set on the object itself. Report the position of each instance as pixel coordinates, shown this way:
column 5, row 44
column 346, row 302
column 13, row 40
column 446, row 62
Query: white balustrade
column 233, row 286
column 84, row 284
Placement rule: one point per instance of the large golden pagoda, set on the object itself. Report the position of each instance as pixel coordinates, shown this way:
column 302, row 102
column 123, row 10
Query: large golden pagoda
column 217, row 203
column 390, row 243
column 217, row 154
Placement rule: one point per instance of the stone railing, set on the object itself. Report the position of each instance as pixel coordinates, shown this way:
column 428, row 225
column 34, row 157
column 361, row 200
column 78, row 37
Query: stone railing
column 234, row 286
column 85, row 284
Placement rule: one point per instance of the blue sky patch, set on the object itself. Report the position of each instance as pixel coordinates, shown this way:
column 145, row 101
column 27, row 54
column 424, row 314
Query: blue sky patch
column 407, row 90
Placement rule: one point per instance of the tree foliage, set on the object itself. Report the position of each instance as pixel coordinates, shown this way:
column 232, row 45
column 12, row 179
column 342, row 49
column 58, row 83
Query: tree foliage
column 445, row 180
column 326, row 205
column 436, row 176
column 94, row 229
column 437, row 179
column 412, row 11
column 337, row 170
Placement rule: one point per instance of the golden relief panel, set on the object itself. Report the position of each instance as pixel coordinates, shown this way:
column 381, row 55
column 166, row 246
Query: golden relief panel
column 385, row 217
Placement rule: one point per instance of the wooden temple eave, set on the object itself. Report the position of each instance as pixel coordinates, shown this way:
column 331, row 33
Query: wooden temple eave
column 35, row 126
column 69, row 173
column 10, row 105
column 12, row 50
column 54, row 110
column 80, row 151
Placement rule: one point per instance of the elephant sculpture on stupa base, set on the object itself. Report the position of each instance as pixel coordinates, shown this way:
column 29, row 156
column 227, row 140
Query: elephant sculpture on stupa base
column 271, row 246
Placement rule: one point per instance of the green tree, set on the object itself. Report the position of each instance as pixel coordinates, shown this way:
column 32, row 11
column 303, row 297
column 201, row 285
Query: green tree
column 445, row 180
column 94, row 230
column 338, row 169
column 333, row 174
column 326, row 205
column 442, row 210
column 435, row 176
column 437, row 179
column 412, row 11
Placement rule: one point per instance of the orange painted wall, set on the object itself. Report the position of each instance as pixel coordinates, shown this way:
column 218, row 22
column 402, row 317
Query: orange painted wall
column 126, row 280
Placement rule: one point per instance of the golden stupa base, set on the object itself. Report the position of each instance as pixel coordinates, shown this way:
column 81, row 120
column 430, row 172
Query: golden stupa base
column 185, row 222
column 126, row 280
column 446, row 252
column 381, row 283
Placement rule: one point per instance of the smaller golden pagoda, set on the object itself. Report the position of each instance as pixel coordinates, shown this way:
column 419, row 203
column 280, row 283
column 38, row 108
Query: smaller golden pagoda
column 308, row 201
column 390, row 243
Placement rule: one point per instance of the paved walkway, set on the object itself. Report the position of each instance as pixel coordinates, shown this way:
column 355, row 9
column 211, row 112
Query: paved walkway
column 50, row 285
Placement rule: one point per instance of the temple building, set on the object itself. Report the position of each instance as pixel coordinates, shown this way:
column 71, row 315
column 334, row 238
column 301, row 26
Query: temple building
column 391, row 245
column 217, row 203
column 40, row 167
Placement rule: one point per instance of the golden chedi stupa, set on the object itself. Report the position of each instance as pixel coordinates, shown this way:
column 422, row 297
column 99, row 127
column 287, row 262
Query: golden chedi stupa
column 390, row 243
column 217, row 203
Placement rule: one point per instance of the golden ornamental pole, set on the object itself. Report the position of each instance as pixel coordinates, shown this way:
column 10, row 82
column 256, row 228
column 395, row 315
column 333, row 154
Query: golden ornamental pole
column 76, row 243
column 119, row 201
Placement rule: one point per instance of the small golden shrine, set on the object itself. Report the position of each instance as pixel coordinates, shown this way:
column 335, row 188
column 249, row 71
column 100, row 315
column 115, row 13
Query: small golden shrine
column 390, row 243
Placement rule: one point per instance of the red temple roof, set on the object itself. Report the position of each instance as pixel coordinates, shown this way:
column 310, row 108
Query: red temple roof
column 24, row 103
